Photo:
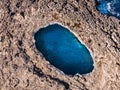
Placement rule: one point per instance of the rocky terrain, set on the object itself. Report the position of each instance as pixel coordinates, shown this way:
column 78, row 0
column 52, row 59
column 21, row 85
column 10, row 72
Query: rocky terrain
column 22, row 67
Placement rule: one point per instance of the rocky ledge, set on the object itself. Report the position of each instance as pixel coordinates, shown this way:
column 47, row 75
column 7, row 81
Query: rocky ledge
column 22, row 67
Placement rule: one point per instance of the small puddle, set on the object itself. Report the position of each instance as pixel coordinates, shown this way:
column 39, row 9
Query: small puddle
column 63, row 50
column 109, row 7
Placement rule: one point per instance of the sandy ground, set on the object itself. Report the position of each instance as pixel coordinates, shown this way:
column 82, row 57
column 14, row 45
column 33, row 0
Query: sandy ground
column 22, row 67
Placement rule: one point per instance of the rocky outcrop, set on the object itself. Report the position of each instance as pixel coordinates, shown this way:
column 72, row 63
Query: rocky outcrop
column 23, row 67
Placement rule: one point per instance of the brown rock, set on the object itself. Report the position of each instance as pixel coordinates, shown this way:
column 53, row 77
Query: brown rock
column 23, row 68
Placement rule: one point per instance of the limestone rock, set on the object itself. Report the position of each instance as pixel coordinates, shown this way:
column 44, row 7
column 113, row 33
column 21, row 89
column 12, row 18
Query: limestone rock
column 22, row 67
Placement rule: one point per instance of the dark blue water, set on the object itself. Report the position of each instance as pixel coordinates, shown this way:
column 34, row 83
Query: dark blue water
column 109, row 7
column 63, row 50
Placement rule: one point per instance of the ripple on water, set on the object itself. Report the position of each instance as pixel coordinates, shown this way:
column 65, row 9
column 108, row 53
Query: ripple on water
column 109, row 7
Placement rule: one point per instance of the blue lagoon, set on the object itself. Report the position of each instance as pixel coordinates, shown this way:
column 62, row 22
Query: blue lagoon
column 63, row 50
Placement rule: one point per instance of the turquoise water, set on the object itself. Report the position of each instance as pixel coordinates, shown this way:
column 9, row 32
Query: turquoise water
column 63, row 50
column 109, row 7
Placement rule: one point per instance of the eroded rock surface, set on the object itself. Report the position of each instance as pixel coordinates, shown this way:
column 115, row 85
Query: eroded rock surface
column 21, row 65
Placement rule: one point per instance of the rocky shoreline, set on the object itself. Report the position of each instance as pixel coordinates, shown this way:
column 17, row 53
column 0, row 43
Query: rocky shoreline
column 22, row 67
